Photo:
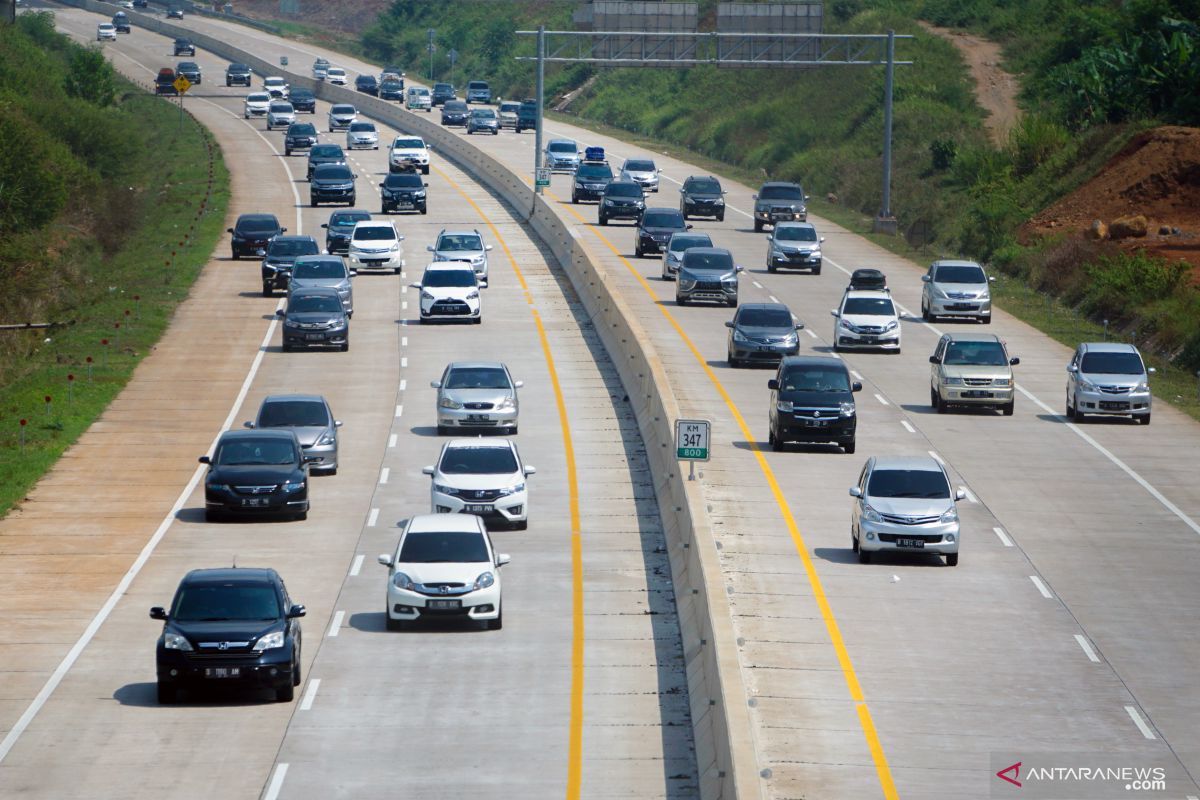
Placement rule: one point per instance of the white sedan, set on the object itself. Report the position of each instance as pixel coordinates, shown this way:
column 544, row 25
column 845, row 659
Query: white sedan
column 444, row 565
column 484, row 477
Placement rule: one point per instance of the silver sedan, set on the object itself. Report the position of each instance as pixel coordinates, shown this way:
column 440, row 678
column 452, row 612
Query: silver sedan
column 479, row 395
column 362, row 135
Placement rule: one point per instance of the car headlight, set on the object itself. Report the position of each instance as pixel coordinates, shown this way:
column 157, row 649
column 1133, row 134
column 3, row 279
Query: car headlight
column 791, row 339
column 891, row 326
column 217, row 487
column 507, row 404
column 443, row 489
column 484, row 581
column 738, row 336
column 815, row 254
column 520, row 487
column 272, row 641
column 402, row 581
column 473, row 295
column 419, row 194
column 1001, row 381
column 289, row 323
column 426, row 295
column 846, row 409
column 174, row 641
column 1086, row 385
column 948, row 381
column 870, row 514
column 845, row 324
column 687, row 284
column 730, row 279
column 608, row 201
column 449, row 402
column 326, row 438
column 1142, row 387
column 784, row 405
column 939, row 293
column 719, row 201
column 291, row 487
column 394, row 248
column 984, row 296
column 951, row 515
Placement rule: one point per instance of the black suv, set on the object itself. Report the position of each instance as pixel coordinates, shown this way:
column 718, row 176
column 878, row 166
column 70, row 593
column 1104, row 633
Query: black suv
column 189, row 70
column 779, row 201
column 655, row 229
column 590, row 179
column 404, row 191
column 455, row 112
column 331, row 183
column 812, row 400
column 252, row 233
column 367, row 84
column 229, row 628
column 281, row 255
column 340, row 226
column 441, row 93
column 527, row 116
column 622, row 200
column 237, row 74
column 702, row 196
column 324, row 154
column 256, row 472
column 391, row 90
column 303, row 100
column 299, row 136
column 184, row 47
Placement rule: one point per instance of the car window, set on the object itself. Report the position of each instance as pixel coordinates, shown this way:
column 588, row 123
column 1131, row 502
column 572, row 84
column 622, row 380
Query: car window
column 230, row 601
column 960, row 274
column 342, row 110
column 681, row 243
column 594, row 172
column 373, row 233
column 922, row 483
column 310, row 303
column 343, row 218
column 781, row 193
column 319, row 268
column 765, row 318
column 477, row 378
column 257, row 225
column 563, row 147
column 624, row 190
column 478, row 461
column 433, row 547
column 409, row 144
column 872, row 306
column 639, row 166
column 815, row 379
column 704, row 186
column 333, row 172
column 449, row 277
column 707, row 261
column 285, row 413
column 326, row 151
column 790, row 234
column 1113, row 364
column 251, row 452
column 293, row 247
column 984, row 354
column 662, row 219
column 455, row 242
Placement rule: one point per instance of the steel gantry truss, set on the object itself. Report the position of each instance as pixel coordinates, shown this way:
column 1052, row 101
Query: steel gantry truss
column 732, row 50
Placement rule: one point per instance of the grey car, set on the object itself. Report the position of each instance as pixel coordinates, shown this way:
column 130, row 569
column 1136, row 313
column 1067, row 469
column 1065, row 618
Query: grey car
column 483, row 120
column 794, row 245
column 280, row 114
column 562, row 155
column 326, row 271
column 477, row 395
column 311, row 419
column 707, row 273
column 762, row 333
column 282, row 252
column 779, row 201
column 677, row 245
column 314, row 317
column 341, row 116
column 904, row 504
column 641, row 171
column 465, row 246
column 956, row 289
column 1108, row 378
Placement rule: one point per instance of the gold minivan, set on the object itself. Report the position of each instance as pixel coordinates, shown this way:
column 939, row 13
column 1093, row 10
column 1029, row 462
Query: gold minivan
column 972, row 369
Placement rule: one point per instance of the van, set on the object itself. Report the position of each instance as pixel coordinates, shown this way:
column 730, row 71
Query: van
column 419, row 99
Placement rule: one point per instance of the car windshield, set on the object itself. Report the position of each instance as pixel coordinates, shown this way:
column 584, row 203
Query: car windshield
column 704, row 186
column 347, row 218
column 342, row 110
column 639, row 166
column 333, row 172
column 245, row 452
column 477, row 378
column 421, row 92
column 796, row 234
column 258, row 98
column 281, row 108
column 361, row 127
column 449, row 277
column 593, row 172
column 815, row 379
column 781, row 193
column 438, row 547
column 226, row 602
column 478, row 461
column 301, row 94
column 483, row 113
column 870, row 306
column 765, row 318
column 319, row 268
column 303, row 129
column 286, row 413
column 237, row 68
column 443, row 87
column 563, row 147
column 374, row 233
column 258, row 225
column 402, row 181
column 922, row 483
column 187, row 65
column 477, row 85
column 680, row 243
column 961, row 274
column 1112, row 364
column 336, row 71
column 624, row 190
column 662, row 219
column 293, row 247
column 983, row 354
column 326, row 151
column 314, row 303
column 453, row 242
column 708, row 261
column 394, row 85
column 274, row 82
column 408, row 144
column 456, row 105
column 509, row 108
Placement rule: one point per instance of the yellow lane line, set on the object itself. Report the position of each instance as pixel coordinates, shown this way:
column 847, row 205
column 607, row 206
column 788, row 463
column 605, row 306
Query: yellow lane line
column 831, row 626
column 575, row 740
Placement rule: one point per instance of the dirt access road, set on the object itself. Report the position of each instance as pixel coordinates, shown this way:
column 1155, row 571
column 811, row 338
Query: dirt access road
column 995, row 88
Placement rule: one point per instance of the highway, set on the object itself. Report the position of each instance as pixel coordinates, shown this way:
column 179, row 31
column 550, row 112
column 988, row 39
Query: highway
column 1067, row 627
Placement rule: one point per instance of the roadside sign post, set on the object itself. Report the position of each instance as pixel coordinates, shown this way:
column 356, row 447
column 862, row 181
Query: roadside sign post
column 181, row 85
column 692, row 438
column 543, row 177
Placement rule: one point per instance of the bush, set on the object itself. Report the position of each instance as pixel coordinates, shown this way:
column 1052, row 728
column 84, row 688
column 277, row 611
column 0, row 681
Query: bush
column 1118, row 284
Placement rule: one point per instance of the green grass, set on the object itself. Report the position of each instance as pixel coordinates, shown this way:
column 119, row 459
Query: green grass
column 176, row 211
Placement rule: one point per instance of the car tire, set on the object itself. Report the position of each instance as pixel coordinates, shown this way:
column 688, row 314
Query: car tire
column 637, row 252
column 935, row 399
column 1076, row 414
column 951, row 559
column 287, row 151
column 574, row 198
column 850, row 447
column 394, row 625
column 1144, row 419
column 863, row 556
column 312, row 201
column 680, row 301
column 477, row 321
column 1007, row 408
column 770, row 267
column 285, row 694
column 267, row 290
column 733, row 362
column 853, row 542
column 424, row 210
column 732, row 303
column 521, row 525
column 383, row 210
column 816, row 271
column 497, row 623
column 345, row 347
column 236, row 256
column 167, row 694
column 986, row 320
column 297, row 677
column 720, row 217
column 775, row 441
column 603, row 220
column 758, row 226
column 350, row 202
column 425, row 170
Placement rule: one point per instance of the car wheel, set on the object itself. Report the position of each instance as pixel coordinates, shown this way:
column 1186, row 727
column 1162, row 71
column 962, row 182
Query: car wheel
column 986, row 320
column 776, row 441
column 424, row 210
column 383, row 210
column 816, row 271
column 395, row 625
column 425, row 170
column 603, row 220
column 497, row 623
column 951, row 559
column 267, row 291
column 236, row 256
column 574, row 198
column 1144, row 419
column 938, row 403
column 303, row 515
column 350, row 202
column 770, row 267
column 863, row 556
column 758, row 226
column 521, row 525
column 853, row 542
column 477, row 321
column 312, row 201
column 285, row 694
column 849, row 447
column 680, row 301
column 720, row 217
column 1076, row 414
column 732, row 303
column 345, row 347
column 167, row 694
column 934, row 398
column 296, row 676
column 637, row 252
column 733, row 362
column 1007, row 408
column 287, row 152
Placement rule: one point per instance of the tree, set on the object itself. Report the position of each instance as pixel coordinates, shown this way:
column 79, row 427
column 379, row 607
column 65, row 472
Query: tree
column 90, row 77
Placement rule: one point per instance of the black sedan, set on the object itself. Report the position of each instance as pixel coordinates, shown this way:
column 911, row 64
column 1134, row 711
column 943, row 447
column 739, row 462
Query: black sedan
column 404, row 191
column 256, row 472
column 455, row 112
column 367, row 84
column 252, row 233
column 299, row 136
column 315, row 317
column 303, row 100
column 232, row 627
column 340, row 226
column 331, row 183
column 655, row 229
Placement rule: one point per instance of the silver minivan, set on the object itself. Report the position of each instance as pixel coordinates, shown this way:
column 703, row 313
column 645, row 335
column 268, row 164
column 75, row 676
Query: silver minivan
column 904, row 504
column 956, row 289
column 328, row 271
column 1108, row 378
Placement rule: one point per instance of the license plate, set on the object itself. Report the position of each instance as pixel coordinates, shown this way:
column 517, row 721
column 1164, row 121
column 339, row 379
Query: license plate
column 404, row 205
column 917, row 543
column 444, row 604
column 222, row 672
column 870, row 339
column 254, row 501
column 314, row 337
column 476, row 508
column 976, row 393
column 478, row 417
column 1109, row 405
column 816, row 423
column 962, row 307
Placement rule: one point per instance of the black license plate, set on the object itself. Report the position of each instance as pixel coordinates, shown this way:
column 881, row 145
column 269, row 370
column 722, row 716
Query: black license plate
column 314, row 337
column 917, row 543
column 477, row 417
column 255, row 502
column 816, row 423
column 444, row 605
column 976, row 393
column 222, row 672
column 404, row 205
column 477, row 508
column 962, row 307
column 1111, row 405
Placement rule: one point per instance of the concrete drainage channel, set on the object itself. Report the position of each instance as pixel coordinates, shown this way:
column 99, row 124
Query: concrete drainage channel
column 725, row 753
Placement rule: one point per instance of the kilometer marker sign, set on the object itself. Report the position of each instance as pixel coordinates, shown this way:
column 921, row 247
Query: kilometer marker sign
column 692, row 439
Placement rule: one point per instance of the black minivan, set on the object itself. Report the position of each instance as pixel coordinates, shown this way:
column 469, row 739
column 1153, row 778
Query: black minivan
column 812, row 401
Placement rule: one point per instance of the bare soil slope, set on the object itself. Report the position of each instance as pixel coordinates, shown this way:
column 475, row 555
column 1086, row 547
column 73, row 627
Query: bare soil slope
column 995, row 88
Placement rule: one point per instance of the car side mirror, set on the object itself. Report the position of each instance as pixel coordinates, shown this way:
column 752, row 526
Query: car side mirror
column 158, row 612
column 429, row 247
column 427, row 470
column 806, row 197
column 337, row 423
column 856, row 386
column 435, row 384
column 833, row 312
column 689, row 226
column 773, row 384
column 518, row 384
column 753, row 197
column 502, row 559
column 488, row 247
column 324, row 224
column 729, row 324
column 247, row 424
column 960, row 494
column 739, row 269
column 415, row 285
column 855, row 491
column 1072, row 368
column 530, row 471
column 770, row 237
column 279, row 312
column 821, row 240
column 1014, row 361
column 799, row 326
column 283, row 230
column 384, row 559
column 296, row 610
column 205, row 460
column 229, row 230
column 1150, row 370
column 925, row 278
column 426, row 185
column 934, row 360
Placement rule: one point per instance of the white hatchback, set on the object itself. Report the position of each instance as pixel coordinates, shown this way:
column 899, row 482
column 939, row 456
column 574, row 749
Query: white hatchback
column 450, row 291
column 336, row 75
column 866, row 319
column 256, row 105
column 375, row 247
column 483, row 477
column 444, row 566
column 106, row 31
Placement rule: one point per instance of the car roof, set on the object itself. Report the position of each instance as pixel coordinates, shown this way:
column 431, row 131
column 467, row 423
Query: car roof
column 781, row 184
column 444, row 523
column 918, row 463
column 464, row 232
column 611, row 184
column 1109, row 347
column 448, row 266
column 479, row 442
column 227, row 574
column 476, row 365
column 350, row 211
column 813, row 361
column 375, row 223
column 954, row 262
column 562, row 141
column 973, row 337
column 286, row 398
column 793, row 224
column 317, row 258
column 637, row 158
column 336, row 106
column 252, row 217
column 313, row 291
column 258, row 433
column 293, row 238
column 707, row 251
column 870, row 294
column 764, row 307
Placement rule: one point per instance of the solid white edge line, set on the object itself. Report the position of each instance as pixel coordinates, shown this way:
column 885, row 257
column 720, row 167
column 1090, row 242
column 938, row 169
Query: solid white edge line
column 1004, row 540
column 310, row 694
column 336, row 625
column 1087, row 648
column 882, row 399
column 392, row 440
column 372, row 518
column 970, row 495
column 936, row 457
column 908, row 427
column 383, row 474
column 272, row 791
column 356, row 567
column 1141, row 723
column 1041, row 587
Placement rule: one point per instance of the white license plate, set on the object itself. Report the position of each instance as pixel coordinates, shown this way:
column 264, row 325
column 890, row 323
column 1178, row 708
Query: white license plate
column 314, row 337
column 444, row 604
column 917, row 543
column 476, row 508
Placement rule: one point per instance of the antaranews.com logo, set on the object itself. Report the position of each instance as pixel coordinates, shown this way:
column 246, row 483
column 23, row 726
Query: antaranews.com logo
column 1079, row 776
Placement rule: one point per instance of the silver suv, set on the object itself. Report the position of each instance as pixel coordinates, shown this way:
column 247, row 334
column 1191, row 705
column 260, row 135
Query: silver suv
column 562, row 155
column 1108, row 378
column 971, row 369
column 956, row 289
column 905, row 504
column 794, row 245
column 707, row 273
column 465, row 246
column 477, row 395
